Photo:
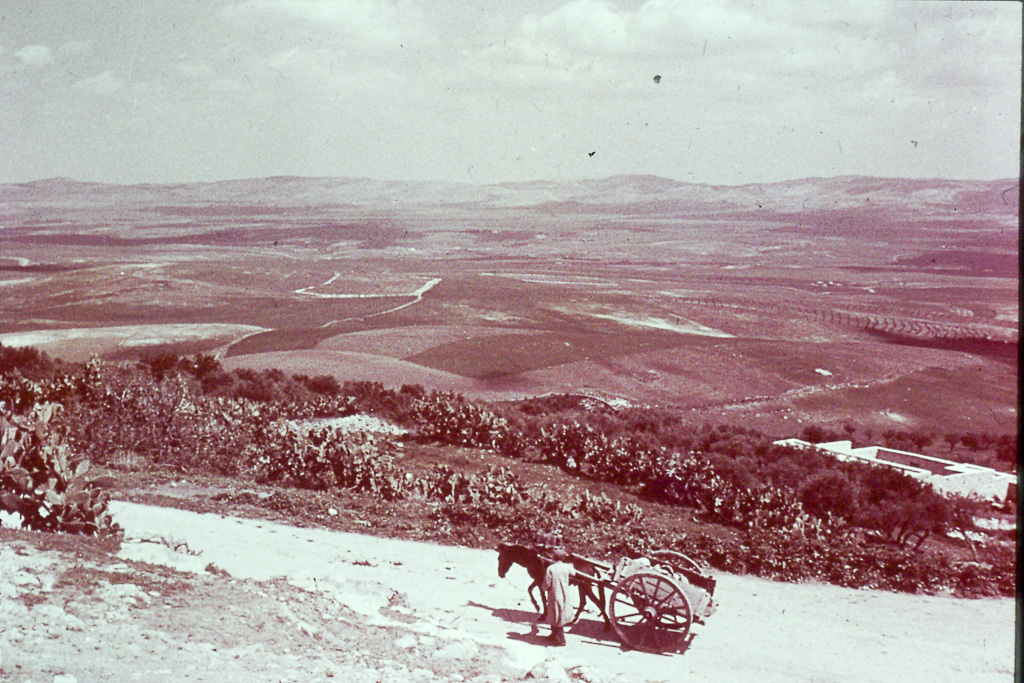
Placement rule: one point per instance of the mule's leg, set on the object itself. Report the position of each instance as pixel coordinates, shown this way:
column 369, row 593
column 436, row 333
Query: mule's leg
column 599, row 601
column 529, row 592
column 584, row 593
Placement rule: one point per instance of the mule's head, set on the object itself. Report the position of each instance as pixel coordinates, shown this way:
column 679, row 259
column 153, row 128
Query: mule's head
column 504, row 559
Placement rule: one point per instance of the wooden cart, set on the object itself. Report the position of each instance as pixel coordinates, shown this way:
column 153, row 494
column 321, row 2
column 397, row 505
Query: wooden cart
column 653, row 601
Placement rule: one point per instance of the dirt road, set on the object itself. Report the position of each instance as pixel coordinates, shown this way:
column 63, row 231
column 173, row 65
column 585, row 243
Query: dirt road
column 763, row 630
column 204, row 597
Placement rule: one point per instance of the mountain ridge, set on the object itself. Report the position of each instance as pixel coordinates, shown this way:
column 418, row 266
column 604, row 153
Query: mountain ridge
column 643, row 194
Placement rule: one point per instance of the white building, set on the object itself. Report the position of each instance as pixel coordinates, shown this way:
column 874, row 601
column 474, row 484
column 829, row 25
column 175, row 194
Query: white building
column 945, row 476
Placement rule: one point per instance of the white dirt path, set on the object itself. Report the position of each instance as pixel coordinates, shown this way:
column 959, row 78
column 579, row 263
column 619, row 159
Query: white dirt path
column 762, row 631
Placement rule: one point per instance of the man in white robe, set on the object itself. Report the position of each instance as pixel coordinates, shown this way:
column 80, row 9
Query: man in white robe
column 560, row 600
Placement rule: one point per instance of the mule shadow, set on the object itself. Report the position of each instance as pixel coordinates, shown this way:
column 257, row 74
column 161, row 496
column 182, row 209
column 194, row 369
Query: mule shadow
column 515, row 616
column 592, row 631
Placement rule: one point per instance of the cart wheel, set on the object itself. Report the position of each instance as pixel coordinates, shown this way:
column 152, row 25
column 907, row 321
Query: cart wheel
column 650, row 612
column 679, row 558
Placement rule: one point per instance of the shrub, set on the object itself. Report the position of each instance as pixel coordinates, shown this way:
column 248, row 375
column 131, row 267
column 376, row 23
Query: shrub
column 449, row 418
column 28, row 361
column 495, row 485
column 903, row 521
column 690, row 481
column 1006, row 448
column 202, row 365
column 829, row 492
column 733, row 470
column 601, row 508
column 43, row 482
column 324, row 384
column 161, row 364
column 326, row 458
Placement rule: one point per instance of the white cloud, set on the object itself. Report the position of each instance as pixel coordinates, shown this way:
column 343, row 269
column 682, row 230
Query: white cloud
column 327, row 11
column 669, row 22
column 748, row 90
column 195, row 71
column 597, row 43
column 593, row 25
column 35, row 55
column 76, row 47
column 105, row 83
column 364, row 22
column 600, row 27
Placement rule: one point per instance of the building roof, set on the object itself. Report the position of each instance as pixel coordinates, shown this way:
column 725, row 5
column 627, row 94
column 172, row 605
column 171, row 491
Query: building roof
column 912, row 463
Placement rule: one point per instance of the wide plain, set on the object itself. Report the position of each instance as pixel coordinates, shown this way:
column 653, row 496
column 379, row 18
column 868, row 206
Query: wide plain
column 881, row 303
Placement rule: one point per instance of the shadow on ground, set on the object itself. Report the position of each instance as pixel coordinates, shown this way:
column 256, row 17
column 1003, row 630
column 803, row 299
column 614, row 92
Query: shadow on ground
column 591, row 631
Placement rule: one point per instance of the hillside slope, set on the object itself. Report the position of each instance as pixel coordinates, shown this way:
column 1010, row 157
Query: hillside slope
column 282, row 603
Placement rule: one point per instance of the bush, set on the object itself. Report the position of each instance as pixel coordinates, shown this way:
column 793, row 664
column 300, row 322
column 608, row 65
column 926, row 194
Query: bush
column 451, row 419
column 829, row 492
column 788, row 512
column 161, row 364
column 324, row 384
column 903, row 521
column 27, row 361
column 601, row 508
column 43, row 482
column 326, row 458
column 733, row 470
column 1006, row 448
column 495, row 485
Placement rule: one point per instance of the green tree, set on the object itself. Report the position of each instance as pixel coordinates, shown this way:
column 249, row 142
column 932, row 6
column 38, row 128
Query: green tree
column 952, row 439
column 829, row 492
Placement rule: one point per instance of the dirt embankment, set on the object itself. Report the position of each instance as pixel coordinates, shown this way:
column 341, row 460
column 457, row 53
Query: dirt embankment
column 204, row 597
column 75, row 611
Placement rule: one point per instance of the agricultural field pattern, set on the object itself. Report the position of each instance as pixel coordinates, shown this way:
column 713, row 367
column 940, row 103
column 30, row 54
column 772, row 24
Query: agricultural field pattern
column 885, row 303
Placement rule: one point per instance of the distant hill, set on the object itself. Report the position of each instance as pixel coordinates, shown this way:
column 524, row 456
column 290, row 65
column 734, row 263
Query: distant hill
column 641, row 194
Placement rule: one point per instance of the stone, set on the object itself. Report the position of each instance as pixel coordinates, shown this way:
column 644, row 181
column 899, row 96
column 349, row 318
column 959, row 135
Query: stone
column 548, row 671
column 23, row 578
column 49, row 613
column 589, row 674
column 406, row 642
column 458, row 649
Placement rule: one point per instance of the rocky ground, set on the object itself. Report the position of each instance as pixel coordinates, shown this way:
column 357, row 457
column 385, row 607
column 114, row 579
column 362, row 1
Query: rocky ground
column 72, row 610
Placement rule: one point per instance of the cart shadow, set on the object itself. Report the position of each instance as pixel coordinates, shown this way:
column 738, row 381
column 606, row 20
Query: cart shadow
column 595, row 633
column 591, row 630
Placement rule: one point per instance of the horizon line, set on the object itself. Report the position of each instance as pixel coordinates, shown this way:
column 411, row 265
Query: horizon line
column 292, row 177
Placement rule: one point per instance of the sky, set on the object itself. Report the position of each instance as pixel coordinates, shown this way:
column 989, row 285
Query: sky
column 709, row 91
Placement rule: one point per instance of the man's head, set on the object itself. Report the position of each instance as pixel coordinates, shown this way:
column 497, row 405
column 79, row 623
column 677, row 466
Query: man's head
column 549, row 540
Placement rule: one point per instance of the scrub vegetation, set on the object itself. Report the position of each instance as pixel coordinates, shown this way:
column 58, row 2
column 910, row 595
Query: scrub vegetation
column 613, row 480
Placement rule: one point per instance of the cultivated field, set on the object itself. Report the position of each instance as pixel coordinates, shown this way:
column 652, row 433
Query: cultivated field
column 878, row 302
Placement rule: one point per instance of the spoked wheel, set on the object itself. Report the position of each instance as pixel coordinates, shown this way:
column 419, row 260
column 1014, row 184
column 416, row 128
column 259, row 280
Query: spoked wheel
column 678, row 558
column 650, row 612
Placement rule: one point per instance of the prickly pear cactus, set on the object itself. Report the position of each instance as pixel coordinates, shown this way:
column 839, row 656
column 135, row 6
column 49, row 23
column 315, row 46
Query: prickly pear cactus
column 43, row 482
